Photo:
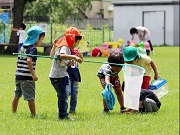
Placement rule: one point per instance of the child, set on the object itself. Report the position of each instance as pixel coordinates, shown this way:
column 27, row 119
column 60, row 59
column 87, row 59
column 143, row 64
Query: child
column 21, row 33
column 83, row 46
column 96, row 52
column 148, row 102
column 143, row 34
column 25, row 72
column 105, row 51
column 74, row 79
column 108, row 73
column 131, row 56
column 58, row 74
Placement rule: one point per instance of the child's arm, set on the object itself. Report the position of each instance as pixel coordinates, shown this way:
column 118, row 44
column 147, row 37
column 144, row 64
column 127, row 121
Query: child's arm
column 70, row 57
column 132, row 37
column 14, row 29
column 80, row 54
column 107, row 79
column 29, row 63
column 153, row 65
column 144, row 34
column 53, row 50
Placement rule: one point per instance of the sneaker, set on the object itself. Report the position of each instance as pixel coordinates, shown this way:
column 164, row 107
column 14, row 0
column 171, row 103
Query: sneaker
column 67, row 118
column 35, row 116
column 106, row 111
column 72, row 112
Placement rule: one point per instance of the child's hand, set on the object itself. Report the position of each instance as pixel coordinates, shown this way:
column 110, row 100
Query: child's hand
column 112, row 86
column 156, row 77
column 78, row 59
column 35, row 78
column 71, row 63
column 153, row 52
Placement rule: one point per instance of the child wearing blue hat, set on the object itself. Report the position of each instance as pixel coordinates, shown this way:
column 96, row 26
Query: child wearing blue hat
column 25, row 72
column 108, row 73
column 131, row 56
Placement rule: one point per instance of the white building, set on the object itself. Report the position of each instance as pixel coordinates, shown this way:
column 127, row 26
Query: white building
column 161, row 17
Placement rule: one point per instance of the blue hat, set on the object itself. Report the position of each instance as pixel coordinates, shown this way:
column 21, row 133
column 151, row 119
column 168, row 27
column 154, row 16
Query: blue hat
column 109, row 96
column 130, row 53
column 33, row 35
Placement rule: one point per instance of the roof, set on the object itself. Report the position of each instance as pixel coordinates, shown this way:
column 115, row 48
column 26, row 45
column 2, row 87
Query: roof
column 142, row 2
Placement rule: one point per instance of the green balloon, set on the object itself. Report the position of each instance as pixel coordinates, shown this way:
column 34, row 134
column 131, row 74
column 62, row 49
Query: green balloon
column 141, row 44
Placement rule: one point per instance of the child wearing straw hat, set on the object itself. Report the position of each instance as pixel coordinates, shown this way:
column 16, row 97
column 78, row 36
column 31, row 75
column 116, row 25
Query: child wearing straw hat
column 58, row 73
column 131, row 56
column 108, row 73
column 25, row 72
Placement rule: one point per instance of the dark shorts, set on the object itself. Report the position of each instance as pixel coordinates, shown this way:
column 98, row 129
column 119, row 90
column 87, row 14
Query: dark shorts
column 115, row 81
column 147, row 52
column 25, row 88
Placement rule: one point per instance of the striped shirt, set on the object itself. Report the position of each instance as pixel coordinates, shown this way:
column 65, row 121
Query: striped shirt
column 106, row 70
column 22, row 71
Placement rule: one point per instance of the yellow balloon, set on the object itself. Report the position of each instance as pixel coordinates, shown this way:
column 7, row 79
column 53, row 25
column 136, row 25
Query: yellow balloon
column 131, row 44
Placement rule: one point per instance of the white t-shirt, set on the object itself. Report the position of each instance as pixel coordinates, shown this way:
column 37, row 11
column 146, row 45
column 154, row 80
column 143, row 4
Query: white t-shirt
column 21, row 34
column 140, row 33
column 59, row 67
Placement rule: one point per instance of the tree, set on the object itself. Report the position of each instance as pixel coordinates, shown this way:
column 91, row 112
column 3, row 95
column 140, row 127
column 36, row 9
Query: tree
column 17, row 20
column 58, row 10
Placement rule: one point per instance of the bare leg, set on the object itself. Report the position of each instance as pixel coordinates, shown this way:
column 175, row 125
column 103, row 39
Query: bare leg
column 15, row 104
column 104, row 104
column 119, row 96
column 32, row 107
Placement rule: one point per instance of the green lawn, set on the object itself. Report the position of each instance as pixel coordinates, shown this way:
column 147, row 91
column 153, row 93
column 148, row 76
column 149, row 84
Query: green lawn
column 89, row 119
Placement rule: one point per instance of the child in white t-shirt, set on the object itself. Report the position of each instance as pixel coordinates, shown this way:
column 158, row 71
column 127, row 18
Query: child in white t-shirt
column 143, row 34
column 21, row 33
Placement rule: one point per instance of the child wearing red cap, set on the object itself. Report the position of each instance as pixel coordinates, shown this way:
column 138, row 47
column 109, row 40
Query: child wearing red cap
column 58, row 74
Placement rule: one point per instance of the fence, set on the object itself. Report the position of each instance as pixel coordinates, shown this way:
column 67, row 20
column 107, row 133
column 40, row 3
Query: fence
column 94, row 37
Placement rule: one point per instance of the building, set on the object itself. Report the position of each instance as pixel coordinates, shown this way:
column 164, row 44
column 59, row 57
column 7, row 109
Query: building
column 161, row 17
column 7, row 5
column 101, row 9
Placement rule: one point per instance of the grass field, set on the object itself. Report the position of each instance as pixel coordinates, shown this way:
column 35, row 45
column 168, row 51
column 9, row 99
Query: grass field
column 89, row 119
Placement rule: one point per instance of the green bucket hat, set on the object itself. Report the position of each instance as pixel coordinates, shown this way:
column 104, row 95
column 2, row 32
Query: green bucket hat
column 130, row 53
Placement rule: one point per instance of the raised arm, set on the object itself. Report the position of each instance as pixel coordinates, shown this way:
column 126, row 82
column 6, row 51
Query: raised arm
column 14, row 29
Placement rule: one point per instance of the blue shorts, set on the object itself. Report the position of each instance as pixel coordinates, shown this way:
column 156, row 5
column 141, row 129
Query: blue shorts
column 25, row 88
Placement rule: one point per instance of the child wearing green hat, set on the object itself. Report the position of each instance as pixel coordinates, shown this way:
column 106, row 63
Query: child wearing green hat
column 25, row 72
column 131, row 56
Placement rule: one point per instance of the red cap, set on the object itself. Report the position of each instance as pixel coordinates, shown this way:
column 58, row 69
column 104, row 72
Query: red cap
column 69, row 37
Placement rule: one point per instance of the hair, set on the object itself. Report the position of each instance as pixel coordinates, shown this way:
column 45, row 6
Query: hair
column 136, row 57
column 23, row 26
column 42, row 35
column 78, row 38
column 116, row 58
column 133, row 31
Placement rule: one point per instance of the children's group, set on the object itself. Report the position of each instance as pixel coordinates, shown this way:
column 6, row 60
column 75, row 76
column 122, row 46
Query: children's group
column 67, row 51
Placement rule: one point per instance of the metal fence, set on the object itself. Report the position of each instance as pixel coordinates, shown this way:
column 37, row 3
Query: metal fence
column 94, row 37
